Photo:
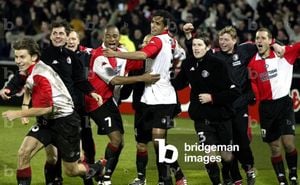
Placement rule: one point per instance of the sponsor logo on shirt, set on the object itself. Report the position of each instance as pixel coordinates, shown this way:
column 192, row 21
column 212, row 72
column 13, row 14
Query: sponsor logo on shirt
column 268, row 75
column 237, row 63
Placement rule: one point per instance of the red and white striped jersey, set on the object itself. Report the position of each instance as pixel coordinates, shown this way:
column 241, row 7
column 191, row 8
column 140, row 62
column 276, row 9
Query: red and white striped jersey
column 271, row 78
column 161, row 49
column 47, row 89
column 102, row 71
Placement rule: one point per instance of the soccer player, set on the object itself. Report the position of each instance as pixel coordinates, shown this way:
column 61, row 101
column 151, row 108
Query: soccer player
column 159, row 99
column 271, row 78
column 87, row 141
column 71, row 71
column 143, row 137
column 106, row 75
column 57, row 122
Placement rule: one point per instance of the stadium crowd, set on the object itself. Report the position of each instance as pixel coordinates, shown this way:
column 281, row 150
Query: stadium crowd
column 32, row 18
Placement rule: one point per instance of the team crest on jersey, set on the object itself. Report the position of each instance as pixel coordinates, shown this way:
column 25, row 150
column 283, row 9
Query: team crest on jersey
column 235, row 57
column 236, row 61
column 69, row 61
column 205, row 74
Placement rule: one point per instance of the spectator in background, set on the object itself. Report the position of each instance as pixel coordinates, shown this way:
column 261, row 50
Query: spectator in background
column 125, row 40
column 293, row 31
column 17, row 32
column 4, row 47
column 222, row 16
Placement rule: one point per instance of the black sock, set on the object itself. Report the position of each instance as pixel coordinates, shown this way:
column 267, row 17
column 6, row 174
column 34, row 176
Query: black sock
column 49, row 172
column 291, row 159
column 141, row 163
column 235, row 170
column 213, row 172
column 24, row 176
column 226, row 170
column 112, row 156
column 245, row 157
column 88, row 144
column 163, row 169
column 58, row 167
column 278, row 167
column 175, row 168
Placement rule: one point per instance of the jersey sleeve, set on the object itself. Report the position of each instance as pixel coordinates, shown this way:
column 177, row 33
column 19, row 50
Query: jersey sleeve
column 253, row 81
column 292, row 52
column 103, row 69
column 41, row 92
column 16, row 83
column 248, row 49
column 153, row 47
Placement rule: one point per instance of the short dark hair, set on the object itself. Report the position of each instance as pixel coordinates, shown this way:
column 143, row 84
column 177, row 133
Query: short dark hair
column 63, row 23
column 266, row 30
column 167, row 17
column 203, row 36
column 27, row 44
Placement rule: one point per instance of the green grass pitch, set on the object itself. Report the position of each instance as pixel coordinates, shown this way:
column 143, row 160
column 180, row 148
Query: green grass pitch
column 12, row 134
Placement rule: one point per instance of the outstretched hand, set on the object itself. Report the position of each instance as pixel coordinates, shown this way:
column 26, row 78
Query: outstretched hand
column 150, row 78
column 4, row 94
column 11, row 115
column 107, row 52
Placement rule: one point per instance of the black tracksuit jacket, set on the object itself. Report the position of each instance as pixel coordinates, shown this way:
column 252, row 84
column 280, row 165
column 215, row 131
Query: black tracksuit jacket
column 237, row 63
column 207, row 75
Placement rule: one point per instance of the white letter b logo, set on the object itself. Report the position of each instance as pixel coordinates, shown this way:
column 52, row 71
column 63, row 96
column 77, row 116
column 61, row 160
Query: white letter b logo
column 162, row 150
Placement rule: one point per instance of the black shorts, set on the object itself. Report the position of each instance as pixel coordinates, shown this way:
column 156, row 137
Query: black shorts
column 108, row 118
column 277, row 118
column 214, row 132
column 152, row 116
column 64, row 133
column 141, row 135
